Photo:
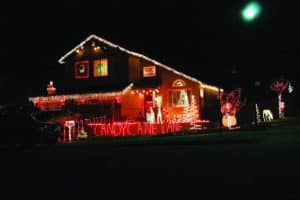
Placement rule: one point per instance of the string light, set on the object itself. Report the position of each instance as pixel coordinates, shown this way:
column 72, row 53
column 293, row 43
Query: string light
column 79, row 97
column 210, row 87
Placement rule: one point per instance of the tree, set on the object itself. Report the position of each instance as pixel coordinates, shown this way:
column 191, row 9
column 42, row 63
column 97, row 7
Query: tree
column 258, row 117
column 279, row 87
column 190, row 111
column 194, row 110
column 186, row 114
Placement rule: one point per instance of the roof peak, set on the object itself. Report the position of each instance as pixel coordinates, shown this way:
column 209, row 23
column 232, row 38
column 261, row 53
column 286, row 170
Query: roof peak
column 61, row 60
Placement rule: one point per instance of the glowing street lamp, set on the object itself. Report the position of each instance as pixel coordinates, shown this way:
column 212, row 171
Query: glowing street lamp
column 251, row 11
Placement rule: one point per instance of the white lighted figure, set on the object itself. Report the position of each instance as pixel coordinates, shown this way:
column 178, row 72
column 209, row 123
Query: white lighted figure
column 150, row 117
column 267, row 115
column 290, row 88
column 158, row 104
column 159, row 116
column 281, row 107
column 201, row 92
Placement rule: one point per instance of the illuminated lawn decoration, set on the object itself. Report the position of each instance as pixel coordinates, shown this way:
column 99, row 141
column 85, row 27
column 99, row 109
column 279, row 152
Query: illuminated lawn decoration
column 258, row 119
column 119, row 129
column 228, row 111
column 99, row 127
column 267, row 115
column 230, row 105
column 290, row 88
column 82, row 134
column 194, row 109
column 50, row 88
column 279, row 87
column 158, row 101
column 69, row 129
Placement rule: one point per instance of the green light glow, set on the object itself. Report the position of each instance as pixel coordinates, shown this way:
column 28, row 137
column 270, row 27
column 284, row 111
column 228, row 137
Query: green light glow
column 251, row 11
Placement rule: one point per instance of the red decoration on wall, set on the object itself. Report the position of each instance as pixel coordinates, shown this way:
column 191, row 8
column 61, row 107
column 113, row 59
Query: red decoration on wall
column 149, row 71
column 82, row 69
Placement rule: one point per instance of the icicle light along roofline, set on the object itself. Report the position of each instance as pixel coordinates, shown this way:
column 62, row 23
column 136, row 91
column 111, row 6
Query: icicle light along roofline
column 211, row 87
column 93, row 36
column 78, row 96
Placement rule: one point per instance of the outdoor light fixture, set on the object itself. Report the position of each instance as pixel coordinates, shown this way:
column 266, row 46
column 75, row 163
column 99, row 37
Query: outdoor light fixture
column 251, row 11
column 96, row 48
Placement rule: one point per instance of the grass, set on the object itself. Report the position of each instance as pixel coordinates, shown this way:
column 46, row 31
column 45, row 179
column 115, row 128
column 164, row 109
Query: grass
column 256, row 163
column 274, row 132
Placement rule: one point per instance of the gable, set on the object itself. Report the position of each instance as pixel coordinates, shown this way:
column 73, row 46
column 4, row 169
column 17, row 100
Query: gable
column 108, row 44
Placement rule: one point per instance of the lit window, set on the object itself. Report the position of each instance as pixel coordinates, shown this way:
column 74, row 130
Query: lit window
column 82, row 69
column 179, row 98
column 101, row 67
column 149, row 71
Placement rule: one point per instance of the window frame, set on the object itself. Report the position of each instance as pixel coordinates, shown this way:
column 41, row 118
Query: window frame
column 151, row 75
column 94, row 68
column 170, row 104
column 77, row 75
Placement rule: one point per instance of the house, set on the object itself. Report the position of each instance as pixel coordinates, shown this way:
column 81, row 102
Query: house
column 104, row 79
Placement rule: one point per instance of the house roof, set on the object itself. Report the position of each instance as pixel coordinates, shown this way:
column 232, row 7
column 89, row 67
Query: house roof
column 93, row 36
column 104, row 88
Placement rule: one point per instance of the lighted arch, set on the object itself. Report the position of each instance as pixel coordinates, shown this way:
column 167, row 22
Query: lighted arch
column 178, row 83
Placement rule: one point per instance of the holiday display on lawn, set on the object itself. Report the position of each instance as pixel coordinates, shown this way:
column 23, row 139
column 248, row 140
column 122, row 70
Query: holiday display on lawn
column 267, row 115
column 258, row 117
column 290, row 88
column 279, row 87
column 135, row 94
column 50, row 88
column 230, row 103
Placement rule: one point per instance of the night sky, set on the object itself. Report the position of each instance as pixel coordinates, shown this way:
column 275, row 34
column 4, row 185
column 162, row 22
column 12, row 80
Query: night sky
column 205, row 39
